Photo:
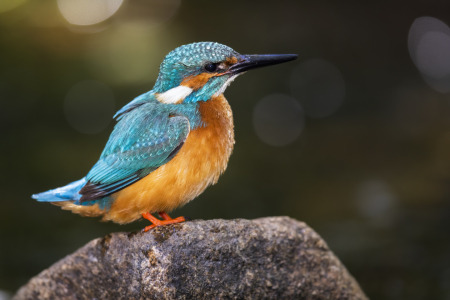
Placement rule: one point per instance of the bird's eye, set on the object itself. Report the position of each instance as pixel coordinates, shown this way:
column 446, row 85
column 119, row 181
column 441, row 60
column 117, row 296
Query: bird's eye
column 210, row 67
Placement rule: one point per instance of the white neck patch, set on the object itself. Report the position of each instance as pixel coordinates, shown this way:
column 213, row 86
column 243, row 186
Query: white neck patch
column 174, row 95
column 225, row 85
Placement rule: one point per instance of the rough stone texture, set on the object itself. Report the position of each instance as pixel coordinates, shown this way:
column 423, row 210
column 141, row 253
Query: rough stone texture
column 270, row 258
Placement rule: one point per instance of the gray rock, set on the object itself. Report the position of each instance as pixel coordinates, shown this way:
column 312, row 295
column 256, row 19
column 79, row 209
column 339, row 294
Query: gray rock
column 270, row 258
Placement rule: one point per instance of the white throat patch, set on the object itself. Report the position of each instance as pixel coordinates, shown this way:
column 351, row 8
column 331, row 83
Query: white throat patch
column 174, row 95
column 226, row 84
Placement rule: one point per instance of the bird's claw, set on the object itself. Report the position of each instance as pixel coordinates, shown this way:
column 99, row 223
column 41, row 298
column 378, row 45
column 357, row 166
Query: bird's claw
column 167, row 220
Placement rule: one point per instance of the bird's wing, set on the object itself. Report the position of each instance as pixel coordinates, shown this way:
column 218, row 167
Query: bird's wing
column 138, row 101
column 143, row 140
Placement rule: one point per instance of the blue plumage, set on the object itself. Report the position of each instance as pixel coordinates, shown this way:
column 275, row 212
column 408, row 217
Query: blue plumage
column 142, row 140
column 68, row 192
column 152, row 128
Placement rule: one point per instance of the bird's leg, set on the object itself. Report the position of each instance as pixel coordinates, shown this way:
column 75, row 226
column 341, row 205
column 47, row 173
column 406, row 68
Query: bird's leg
column 156, row 222
column 164, row 215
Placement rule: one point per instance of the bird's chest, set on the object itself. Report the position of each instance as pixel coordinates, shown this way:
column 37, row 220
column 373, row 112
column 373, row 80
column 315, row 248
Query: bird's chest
column 209, row 147
column 202, row 159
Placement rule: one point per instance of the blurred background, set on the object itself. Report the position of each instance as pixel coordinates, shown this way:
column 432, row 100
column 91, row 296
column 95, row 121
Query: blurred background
column 353, row 138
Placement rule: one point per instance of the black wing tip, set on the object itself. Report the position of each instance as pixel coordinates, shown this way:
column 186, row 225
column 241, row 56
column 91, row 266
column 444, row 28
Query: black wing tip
column 92, row 191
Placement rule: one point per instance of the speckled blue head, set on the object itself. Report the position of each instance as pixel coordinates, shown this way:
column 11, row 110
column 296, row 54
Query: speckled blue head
column 198, row 71
column 189, row 61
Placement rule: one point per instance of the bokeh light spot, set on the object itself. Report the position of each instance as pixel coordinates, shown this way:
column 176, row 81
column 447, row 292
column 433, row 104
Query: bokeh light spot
column 278, row 119
column 319, row 86
column 88, row 12
column 376, row 202
column 111, row 57
column 6, row 5
column 89, row 106
column 433, row 54
column 429, row 47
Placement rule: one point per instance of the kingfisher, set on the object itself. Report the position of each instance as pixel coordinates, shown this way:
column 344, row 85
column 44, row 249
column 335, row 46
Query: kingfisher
column 169, row 144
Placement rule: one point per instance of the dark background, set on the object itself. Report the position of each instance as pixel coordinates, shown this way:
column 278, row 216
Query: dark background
column 372, row 178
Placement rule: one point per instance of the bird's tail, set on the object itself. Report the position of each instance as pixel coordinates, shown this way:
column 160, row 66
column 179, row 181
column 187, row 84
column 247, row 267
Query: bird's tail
column 65, row 193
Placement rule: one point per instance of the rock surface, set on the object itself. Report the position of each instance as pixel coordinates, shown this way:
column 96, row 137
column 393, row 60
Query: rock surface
column 269, row 258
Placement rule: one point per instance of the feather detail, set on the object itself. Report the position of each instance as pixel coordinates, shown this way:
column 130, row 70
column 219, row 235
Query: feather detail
column 137, row 147
column 68, row 192
column 175, row 95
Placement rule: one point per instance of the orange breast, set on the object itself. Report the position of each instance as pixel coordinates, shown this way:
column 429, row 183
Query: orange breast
column 199, row 163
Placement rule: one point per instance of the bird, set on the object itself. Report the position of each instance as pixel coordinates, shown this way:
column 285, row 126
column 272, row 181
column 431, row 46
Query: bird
column 169, row 144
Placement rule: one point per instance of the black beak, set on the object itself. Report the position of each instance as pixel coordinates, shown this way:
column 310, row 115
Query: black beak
column 253, row 61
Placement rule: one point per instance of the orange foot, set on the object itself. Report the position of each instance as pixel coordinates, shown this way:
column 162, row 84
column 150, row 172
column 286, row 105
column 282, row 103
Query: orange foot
column 156, row 222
